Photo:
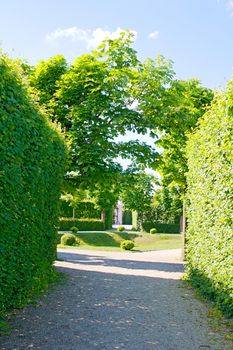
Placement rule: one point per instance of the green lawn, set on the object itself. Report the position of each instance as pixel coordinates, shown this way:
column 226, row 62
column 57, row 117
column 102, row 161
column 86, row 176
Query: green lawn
column 143, row 241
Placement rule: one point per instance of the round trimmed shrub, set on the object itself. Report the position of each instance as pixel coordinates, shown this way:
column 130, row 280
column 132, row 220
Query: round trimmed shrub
column 153, row 231
column 68, row 239
column 127, row 245
column 120, row 228
column 134, row 228
column 74, row 229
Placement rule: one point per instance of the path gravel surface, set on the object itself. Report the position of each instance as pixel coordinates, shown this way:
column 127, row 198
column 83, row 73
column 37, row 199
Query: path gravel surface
column 116, row 300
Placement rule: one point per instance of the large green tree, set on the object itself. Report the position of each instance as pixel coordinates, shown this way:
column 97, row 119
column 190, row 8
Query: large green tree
column 92, row 101
column 108, row 92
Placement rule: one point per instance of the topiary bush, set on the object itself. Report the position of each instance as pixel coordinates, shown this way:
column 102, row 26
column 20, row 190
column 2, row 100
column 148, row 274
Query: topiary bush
column 120, row 228
column 127, row 245
column 32, row 155
column 68, row 239
column 209, row 248
column 153, row 231
column 74, row 229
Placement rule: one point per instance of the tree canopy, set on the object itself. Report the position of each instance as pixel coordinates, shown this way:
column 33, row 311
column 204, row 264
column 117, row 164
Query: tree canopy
column 92, row 101
column 109, row 92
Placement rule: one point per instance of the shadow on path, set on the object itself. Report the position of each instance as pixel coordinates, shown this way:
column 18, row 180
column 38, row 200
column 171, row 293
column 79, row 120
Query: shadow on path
column 101, row 310
column 82, row 258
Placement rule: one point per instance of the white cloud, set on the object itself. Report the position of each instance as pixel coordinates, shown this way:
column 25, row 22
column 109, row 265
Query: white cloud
column 73, row 33
column 92, row 38
column 154, row 35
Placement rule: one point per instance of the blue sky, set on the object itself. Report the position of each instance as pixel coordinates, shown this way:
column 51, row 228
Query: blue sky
column 196, row 34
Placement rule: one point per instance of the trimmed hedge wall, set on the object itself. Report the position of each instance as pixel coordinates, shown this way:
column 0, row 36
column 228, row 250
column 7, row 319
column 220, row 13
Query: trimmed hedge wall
column 82, row 210
column 32, row 157
column 210, row 214
column 81, row 224
column 161, row 228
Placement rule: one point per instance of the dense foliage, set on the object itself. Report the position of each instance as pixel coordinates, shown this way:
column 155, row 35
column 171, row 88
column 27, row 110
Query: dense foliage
column 65, row 224
column 31, row 170
column 210, row 188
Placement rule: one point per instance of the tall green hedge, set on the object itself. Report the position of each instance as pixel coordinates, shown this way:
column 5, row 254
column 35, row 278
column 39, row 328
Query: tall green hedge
column 210, row 196
column 32, row 157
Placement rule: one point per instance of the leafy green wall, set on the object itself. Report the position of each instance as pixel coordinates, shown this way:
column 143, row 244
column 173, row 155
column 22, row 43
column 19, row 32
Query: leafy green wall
column 32, row 157
column 210, row 213
column 82, row 210
column 65, row 224
column 160, row 227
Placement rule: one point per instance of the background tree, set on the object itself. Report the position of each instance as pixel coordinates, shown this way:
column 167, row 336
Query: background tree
column 137, row 193
column 92, row 101
column 171, row 109
column 166, row 205
column 189, row 101
column 108, row 92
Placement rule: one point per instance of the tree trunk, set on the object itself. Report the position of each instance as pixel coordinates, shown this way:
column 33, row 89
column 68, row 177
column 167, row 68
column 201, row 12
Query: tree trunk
column 103, row 215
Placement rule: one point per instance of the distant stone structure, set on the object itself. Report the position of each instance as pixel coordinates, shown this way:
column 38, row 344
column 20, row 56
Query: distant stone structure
column 118, row 213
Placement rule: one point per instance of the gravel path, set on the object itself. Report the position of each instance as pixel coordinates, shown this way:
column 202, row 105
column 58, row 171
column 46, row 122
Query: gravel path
column 114, row 300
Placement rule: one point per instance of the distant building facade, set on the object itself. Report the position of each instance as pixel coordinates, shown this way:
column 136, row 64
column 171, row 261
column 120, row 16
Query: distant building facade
column 118, row 213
